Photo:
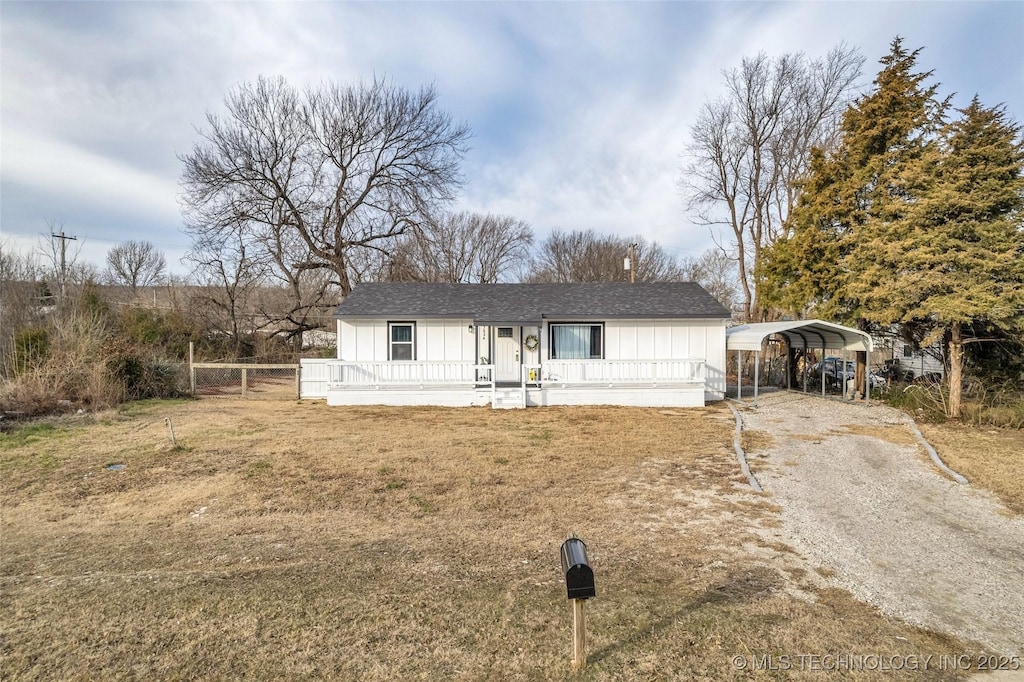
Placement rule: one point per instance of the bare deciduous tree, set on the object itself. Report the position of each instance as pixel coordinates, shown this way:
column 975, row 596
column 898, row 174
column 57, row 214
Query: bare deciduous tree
column 229, row 276
column 318, row 176
column 717, row 273
column 21, row 278
column 300, row 298
column 585, row 256
column 135, row 264
column 463, row 247
column 751, row 146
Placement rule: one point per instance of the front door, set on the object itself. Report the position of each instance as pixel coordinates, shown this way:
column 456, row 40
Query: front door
column 506, row 354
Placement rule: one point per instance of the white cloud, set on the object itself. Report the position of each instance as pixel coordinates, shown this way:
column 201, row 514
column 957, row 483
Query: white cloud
column 580, row 110
column 80, row 175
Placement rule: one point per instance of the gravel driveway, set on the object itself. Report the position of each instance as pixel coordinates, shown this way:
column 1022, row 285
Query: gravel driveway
column 860, row 499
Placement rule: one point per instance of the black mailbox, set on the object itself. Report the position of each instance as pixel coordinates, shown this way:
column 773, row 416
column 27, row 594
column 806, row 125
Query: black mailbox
column 579, row 577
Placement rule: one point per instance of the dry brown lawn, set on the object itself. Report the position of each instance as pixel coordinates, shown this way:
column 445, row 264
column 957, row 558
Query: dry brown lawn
column 298, row 541
column 990, row 458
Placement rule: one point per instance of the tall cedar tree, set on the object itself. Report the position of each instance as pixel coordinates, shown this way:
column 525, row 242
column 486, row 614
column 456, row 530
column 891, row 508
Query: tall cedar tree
column 838, row 256
column 962, row 251
column 911, row 221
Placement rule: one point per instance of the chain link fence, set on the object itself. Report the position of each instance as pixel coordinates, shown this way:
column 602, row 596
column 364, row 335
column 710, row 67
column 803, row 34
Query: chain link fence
column 255, row 382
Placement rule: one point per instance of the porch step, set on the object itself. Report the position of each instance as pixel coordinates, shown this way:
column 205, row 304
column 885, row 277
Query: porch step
column 508, row 399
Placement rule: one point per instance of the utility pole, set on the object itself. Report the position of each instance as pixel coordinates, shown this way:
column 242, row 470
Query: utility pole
column 63, row 257
column 632, row 263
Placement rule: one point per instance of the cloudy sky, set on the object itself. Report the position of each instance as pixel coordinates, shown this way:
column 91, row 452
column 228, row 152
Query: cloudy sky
column 579, row 110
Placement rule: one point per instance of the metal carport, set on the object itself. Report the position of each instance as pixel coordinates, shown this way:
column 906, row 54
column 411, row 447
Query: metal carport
column 805, row 334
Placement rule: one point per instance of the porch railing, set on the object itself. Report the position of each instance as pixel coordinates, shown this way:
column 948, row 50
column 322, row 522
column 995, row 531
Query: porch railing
column 623, row 371
column 397, row 373
column 343, row 374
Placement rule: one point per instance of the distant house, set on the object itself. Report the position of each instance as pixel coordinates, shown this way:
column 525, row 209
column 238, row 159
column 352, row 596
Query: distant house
column 517, row 345
column 922, row 362
column 912, row 362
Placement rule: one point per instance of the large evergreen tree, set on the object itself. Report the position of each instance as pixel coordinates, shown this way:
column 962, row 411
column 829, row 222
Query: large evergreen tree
column 962, row 258
column 910, row 220
column 855, row 195
column 853, row 198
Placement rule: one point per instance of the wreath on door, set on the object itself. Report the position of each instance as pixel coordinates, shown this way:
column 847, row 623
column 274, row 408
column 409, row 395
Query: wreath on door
column 531, row 342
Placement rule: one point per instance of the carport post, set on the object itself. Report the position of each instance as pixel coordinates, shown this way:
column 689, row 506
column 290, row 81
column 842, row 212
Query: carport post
column 789, row 365
column 803, row 347
column 867, row 377
column 823, row 367
column 807, row 369
column 739, row 375
column 757, row 373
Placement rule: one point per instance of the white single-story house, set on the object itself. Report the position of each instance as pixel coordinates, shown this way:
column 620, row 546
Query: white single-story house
column 518, row 345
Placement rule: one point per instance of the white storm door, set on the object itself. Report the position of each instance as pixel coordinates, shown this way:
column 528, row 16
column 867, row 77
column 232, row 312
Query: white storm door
column 506, row 354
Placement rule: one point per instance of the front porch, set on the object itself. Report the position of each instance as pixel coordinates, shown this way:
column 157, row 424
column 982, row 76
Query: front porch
column 646, row 383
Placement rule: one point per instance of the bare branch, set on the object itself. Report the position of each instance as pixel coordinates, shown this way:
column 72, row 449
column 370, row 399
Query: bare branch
column 319, row 181
column 135, row 264
column 585, row 256
column 751, row 146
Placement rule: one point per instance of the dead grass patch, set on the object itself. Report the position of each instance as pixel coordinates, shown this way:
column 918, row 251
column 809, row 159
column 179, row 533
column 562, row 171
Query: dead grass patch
column 897, row 435
column 990, row 458
column 286, row 541
column 753, row 441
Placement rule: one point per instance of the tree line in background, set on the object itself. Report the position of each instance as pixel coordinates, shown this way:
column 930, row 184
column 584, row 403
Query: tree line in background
column 316, row 190
column 73, row 335
column 877, row 210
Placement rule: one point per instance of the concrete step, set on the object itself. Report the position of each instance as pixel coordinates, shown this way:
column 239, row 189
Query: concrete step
column 508, row 399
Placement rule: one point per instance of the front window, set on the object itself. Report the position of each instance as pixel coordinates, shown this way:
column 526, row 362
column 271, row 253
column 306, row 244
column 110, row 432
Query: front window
column 402, row 346
column 577, row 341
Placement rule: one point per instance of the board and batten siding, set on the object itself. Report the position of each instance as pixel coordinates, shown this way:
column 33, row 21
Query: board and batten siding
column 671, row 339
column 667, row 340
column 436, row 340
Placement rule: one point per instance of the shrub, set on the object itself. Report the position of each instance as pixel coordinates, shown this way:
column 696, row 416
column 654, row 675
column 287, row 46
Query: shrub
column 30, row 347
column 68, row 373
column 136, row 372
column 925, row 401
column 168, row 330
column 983, row 404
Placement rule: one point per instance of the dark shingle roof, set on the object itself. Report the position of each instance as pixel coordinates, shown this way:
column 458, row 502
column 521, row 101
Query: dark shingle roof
column 496, row 303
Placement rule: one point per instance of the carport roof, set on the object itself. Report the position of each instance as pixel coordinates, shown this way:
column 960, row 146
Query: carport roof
column 798, row 334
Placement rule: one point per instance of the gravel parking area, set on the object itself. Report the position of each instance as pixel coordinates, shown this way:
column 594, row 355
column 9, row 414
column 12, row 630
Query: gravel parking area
column 861, row 502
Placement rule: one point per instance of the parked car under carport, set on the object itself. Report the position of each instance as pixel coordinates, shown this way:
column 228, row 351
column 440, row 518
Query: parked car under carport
column 838, row 372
